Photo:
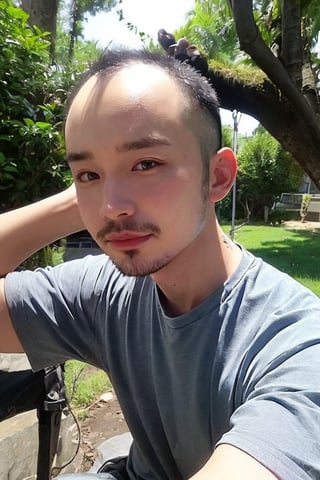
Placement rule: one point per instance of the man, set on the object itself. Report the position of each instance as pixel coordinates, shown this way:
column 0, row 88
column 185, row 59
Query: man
column 214, row 355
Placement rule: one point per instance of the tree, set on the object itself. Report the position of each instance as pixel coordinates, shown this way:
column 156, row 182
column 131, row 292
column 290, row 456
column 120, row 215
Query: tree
column 281, row 86
column 265, row 171
column 67, row 74
column 43, row 14
column 78, row 10
column 32, row 97
column 210, row 25
column 31, row 145
column 306, row 199
column 227, row 136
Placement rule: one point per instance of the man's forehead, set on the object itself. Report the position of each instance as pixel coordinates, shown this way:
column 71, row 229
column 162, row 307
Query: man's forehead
column 135, row 80
column 137, row 93
column 133, row 87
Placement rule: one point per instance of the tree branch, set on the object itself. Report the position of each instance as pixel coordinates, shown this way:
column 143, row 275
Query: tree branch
column 262, row 102
column 252, row 43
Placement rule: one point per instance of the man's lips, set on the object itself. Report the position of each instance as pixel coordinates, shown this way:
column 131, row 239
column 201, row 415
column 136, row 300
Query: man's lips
column 127, row 240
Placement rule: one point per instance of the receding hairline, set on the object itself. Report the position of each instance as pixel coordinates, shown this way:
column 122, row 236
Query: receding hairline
column 94, row 86
column 109, row 74
column 201, row 95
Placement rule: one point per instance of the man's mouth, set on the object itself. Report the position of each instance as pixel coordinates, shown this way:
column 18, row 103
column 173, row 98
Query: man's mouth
column 127, row 240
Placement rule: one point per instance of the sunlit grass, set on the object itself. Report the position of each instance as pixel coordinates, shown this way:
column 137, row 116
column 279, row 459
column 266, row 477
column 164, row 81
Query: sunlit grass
column 84, row 383
column 296, row 252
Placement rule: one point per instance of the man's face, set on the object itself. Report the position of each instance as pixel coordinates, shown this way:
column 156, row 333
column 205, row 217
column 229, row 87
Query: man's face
column 137, row 168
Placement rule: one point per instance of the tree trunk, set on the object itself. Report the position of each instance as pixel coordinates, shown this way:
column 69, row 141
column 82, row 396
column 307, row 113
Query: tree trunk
column 309, row 81
column 43, row 14
column 74, row 19
column 291, row 51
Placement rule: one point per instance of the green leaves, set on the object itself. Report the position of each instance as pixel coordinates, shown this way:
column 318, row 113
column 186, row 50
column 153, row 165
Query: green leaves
column 31, row 144
column 265, row 171
column 211, row 27
column 14, row 12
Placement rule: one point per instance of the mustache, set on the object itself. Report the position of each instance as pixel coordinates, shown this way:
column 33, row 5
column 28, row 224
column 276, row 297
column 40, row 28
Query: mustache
column 128, row 226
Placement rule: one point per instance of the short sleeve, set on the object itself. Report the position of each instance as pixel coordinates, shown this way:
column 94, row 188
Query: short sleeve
column 54, row 310
column 278, row 413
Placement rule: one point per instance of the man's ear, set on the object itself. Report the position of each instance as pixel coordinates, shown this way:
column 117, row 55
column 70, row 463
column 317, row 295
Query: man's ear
column 223, row 170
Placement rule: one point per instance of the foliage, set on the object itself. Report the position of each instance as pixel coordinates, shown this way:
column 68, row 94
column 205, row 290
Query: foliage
column 67, row 74
column 279, row 216
column 50, row 255
column 268, row 16
column 42, row 258
column 306, row 199
column 275, row 77
column 82, row 385
column 210, row 25
column 73, row 55
column 265, row 171
column 32, row 94
column 77, row 12
column 227, row 136
column 31, row 146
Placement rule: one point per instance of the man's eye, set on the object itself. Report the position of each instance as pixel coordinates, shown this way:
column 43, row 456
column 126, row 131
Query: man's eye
column 146, row 165
column 86, row 177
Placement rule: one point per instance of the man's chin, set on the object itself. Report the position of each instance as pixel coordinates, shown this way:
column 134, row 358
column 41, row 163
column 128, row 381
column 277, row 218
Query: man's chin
column 132, row 266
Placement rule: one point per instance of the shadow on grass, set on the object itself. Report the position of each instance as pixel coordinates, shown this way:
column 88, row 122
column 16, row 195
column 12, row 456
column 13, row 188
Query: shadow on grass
column 298, row 255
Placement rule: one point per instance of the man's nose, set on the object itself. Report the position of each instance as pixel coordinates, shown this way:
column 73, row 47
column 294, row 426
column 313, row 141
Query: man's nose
column 117, row 201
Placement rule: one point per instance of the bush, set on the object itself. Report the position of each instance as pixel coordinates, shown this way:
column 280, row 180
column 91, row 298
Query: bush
column 277, row 217
column 84, row 383
column 50, row 255
column 265, row 171
column 31, row 144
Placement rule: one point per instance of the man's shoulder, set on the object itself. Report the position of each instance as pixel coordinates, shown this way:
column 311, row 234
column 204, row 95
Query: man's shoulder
column 260, row 282
column 93, row 273
column 89, row 266
column 98, row 273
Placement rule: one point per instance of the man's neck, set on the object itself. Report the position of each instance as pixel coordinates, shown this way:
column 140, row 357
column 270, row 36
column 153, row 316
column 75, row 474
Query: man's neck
column 198, row 271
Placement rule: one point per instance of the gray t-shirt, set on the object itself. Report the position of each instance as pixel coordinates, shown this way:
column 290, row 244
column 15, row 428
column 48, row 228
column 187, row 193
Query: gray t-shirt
column 243, row 367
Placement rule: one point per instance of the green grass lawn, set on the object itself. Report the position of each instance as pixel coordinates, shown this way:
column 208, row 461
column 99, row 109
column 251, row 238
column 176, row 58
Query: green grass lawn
column 296, row 252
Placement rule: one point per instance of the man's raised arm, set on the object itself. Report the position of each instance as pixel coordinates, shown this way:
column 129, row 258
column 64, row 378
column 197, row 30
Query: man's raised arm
column 25, row 230
column 22, row 233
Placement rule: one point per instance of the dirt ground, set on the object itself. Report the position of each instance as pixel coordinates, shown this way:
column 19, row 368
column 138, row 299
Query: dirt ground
column 105, row 419
column 296, row 225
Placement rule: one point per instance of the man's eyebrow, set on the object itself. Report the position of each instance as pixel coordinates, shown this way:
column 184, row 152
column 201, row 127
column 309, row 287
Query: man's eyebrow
column 76, row 156
column 146, row 142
